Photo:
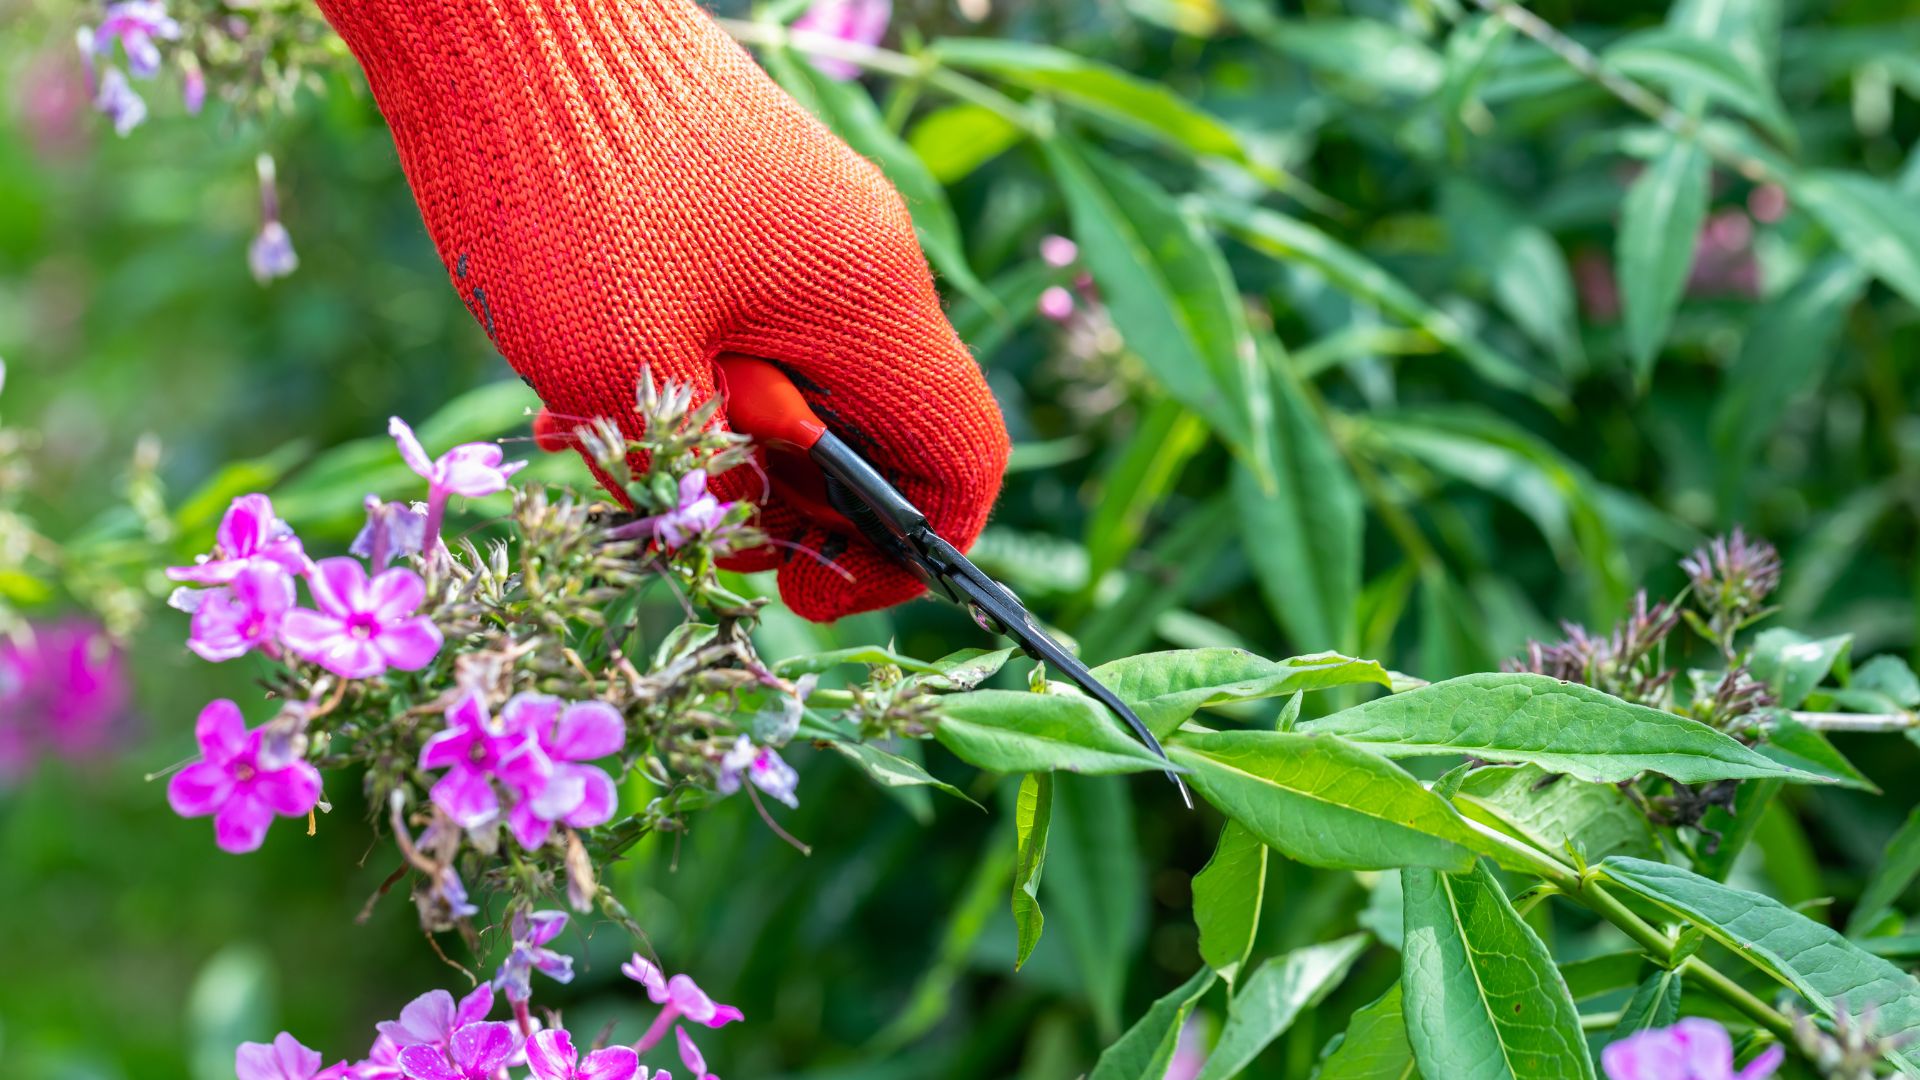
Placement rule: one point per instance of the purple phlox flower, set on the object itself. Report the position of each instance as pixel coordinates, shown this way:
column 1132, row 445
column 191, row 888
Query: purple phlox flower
column 363, row 627
column 381, row 1063
column 243, row 615
column 760, row 765
column 1056, row 304
column 433, row 1017
column 472, row 470
column 551, row 1056
column 531, row 931
column 271, row 253
column 476, row 1052
column 248, row 533
column 241, row 787
column 476, row 748
column 858, row 22
column 1693, row 1049
column 117, row 100
column 137, row 24
column 679, row 997
column 1189, row 1051
column 393, row 529
column 1058, row 252
column 580, row 795
column 700, row 513
column 193, row 88
column 63, row 686
column 285, row 1059
column 453, row 893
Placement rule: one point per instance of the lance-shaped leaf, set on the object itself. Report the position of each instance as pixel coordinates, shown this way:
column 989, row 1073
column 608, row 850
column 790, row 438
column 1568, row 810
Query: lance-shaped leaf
column 891, row 770
column 1658, row 226
column 1032, row 815
column 1273, row 997
column 1555, row 813
column 1482, row 996
column 1144, row 1051
column 1226, row 899
column 1898, row 867
column 1374, row 1046
column 1323, row 801
column 1793, row 664
column 1839, row 977
column 1562, row 727
column 1097, row 887
column 1689, row 63
column 1655, row 1004
column 871, row 655
column 1165, row 688
column 1872, row 220
column 1013, row 731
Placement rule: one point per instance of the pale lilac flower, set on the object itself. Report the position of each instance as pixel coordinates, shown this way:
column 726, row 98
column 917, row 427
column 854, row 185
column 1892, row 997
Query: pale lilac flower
column 392, row 530
column 452, row 893
column 762, row 766
column 136, row 24
column 193, row 88
column 476, row 1052
column 552, row 1057
column 433, row 1017
column 248, row 533
column 63, row 686
column 690, row 1055
column 531, row 931
column 678, row 997
column 476, row 748
column 244, row 615
column 1058, row 252
column 363, row 627
column 580, row 795
column 284, row 1059
column 118, row 102
column 1056, row 304
column 472, row 470
column 858, row 22
column 271, row 254
column 1693, row 1049
column 241, row 787
column 700, row 513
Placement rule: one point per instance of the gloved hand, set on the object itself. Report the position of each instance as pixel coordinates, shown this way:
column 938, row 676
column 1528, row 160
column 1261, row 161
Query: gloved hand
column 616, row 183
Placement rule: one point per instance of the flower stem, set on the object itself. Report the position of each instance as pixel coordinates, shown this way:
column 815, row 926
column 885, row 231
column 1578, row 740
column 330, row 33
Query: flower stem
column 1864, row 722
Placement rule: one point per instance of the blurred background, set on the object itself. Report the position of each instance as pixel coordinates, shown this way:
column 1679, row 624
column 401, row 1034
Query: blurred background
column 1500, row 396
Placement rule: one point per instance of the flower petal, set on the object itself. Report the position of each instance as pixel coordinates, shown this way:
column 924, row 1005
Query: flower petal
column 339, row 586
column 350, row 658
column 472, row 470
column 199, row 789
column 241, row 824
column 586, row 731
column 560, row 795
column 598, row 800
column 447, row 748
column 428, row 1063
column 531, row 713
column 221, row 731
column 467, row 796
column 475, row 1006
column 1764, row 1066
column 724, row 1015
column 409, row 645
column 411, row 451
column 544, row 926
column 425, row 1021
column 689, row 1053
column 310, row 633
column 613, row 1063
column 528, row 827
column 291, row 791
column 686, row 995
column 395, row 594
column 483, row 1047
column 551, row 1056
column 647, row 974
column 245, row 528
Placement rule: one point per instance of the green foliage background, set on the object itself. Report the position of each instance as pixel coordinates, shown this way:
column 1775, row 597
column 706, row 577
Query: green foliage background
column 1372, row 402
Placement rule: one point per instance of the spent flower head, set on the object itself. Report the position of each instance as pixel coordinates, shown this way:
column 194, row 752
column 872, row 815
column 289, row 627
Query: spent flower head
column 1732, row 576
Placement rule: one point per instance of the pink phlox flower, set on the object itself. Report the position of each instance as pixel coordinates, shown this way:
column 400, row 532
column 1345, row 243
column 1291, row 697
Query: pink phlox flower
column 239, row 785
column 285, row 1059
column 136, row 25
column 63, row 686
column 433, row 1017
column 1189, row 1050
column 193, row 89
column 477, row 1051
column 760, row 765
column 531, row 931
column 1058, row 252
column 243, row 615
column 472, row 470
column 859, row 22
column 393, row 529
column 690, row 1055
column 1693, row 1049
column 381, row 1063
column 1056, row 304
column 248, row 533
column 476, row 749
column 680, row 994
column 700, row 513
column 580, row 795
column 551, row 1056
column 363, row 627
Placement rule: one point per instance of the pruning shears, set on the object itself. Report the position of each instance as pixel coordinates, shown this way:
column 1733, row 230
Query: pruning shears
column 763, row 402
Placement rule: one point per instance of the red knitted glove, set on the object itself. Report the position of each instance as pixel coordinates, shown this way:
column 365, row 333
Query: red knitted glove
column 615, row 183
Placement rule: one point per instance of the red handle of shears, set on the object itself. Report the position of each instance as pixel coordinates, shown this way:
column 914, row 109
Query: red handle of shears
column 763, row 402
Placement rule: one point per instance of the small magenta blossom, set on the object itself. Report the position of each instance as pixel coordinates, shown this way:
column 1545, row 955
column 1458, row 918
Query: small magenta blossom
column 392, row 530
column 248, row 533
column 1056, row 304
column 580, row 795
column 1693, row 1049
column 700, row 513
column 241, row 786
column 551, row 1056
column 531, row 931
column 433, row 1017
column 1059, row 252
column 761, row 766
column 363, row 627
column 476, row 1052
column 64, row 688
column 137, row 25
column 471, row 470
column 243, row 615
column 477, row 749
column 690, row 1055
column 285, row 1059
column 859, row 22
column 679, row 997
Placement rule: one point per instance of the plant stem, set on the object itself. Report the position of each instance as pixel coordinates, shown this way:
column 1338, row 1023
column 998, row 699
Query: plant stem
column 1867, row 722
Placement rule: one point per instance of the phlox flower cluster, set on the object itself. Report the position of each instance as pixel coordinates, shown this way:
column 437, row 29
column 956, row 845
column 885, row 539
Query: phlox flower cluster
column 63, row 690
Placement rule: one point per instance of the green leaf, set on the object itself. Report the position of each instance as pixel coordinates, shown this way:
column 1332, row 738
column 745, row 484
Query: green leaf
column 232, row 1000
column 1291, row 240
column 199, row 513
column 1835, row 975
column 1014, row 731
column 1604, row 974
column 1305, row 536
column 890, row 770
column 1482, row 996
column 1096, row 887
column 966, row 669
column 1793, row 664
column 1890, row 676
column 1273, row 997
column 1658, row 223
column 1525, row 268
column 1135, row 104
column 1705, row 67
column 1735, row 826
column 1871, row 220
column 1896, row 870
column 871, row 655
column 1563, row 727
column 1226, row 899
column 1798, row 746
column 1144, row 1051
column 1166, row 688
column 1656, row 1004
column 1033, row 812
column 955, row 140
column 1170, row 294
column 1165, row 439
column 1596, row 819
column 1374, row 1046
column 1324, row 802
column 1371, row 52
